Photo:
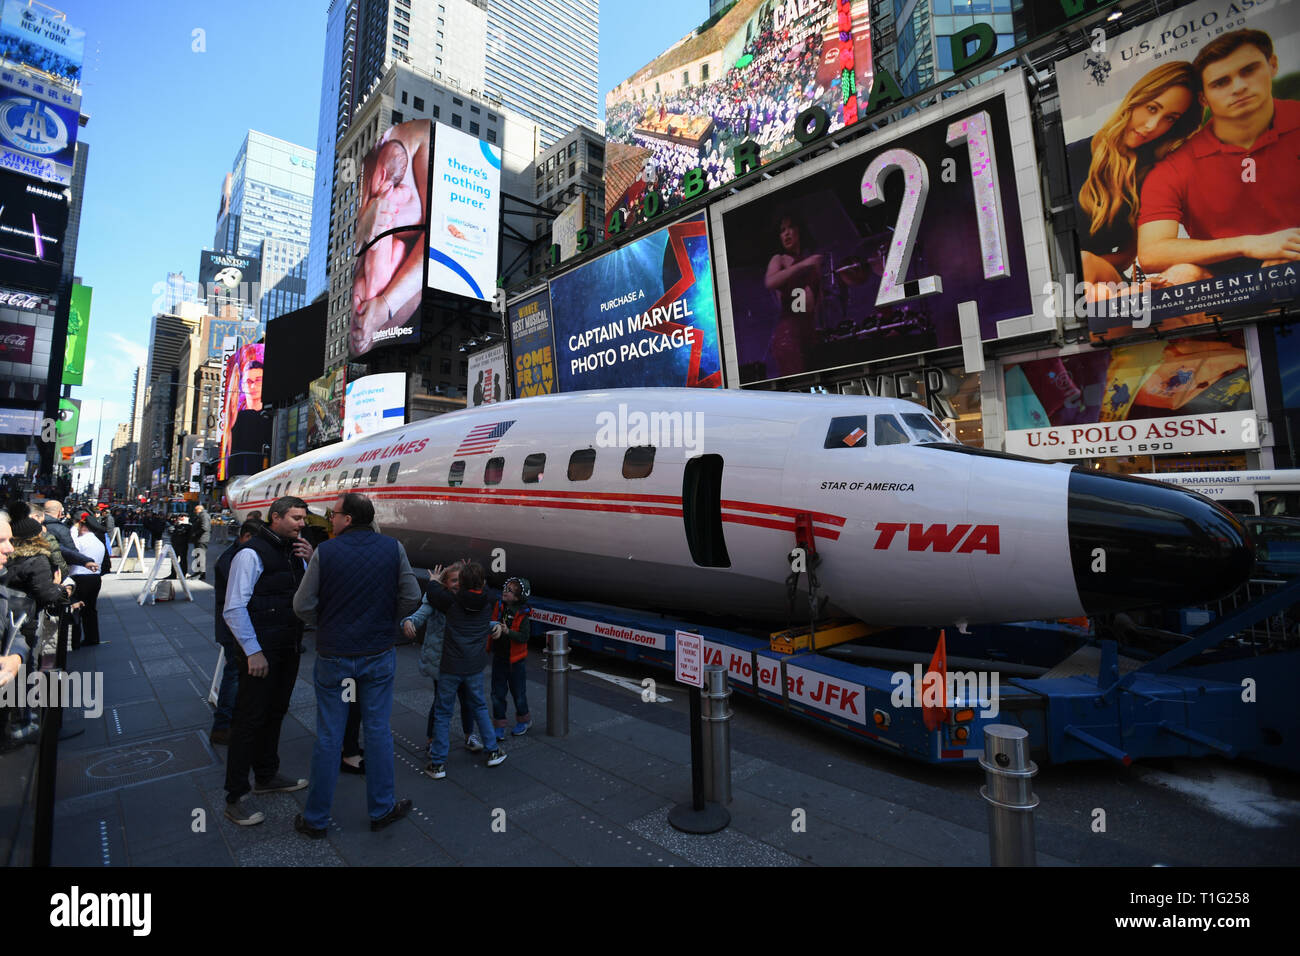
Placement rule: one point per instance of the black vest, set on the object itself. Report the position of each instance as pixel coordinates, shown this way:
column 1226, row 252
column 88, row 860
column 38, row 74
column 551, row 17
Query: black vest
column 271, row 605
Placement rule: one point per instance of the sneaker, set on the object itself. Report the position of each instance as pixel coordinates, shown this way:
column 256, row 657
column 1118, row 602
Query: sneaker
column 496, row 757
column 521, row 728
column 244, row 812
column 400, row 809
column 280, row 784
column 474, row 743
column 221, row 736
column 306, row 829
column 436, row 770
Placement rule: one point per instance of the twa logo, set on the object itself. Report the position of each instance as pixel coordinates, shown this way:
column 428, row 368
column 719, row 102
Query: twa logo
column 962, row 538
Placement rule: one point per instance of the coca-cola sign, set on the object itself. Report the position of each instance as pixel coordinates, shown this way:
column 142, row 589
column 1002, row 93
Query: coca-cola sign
column 16, row 342
column 27, row 301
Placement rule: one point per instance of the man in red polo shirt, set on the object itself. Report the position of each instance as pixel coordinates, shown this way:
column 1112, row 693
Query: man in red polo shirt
column 1238, row 216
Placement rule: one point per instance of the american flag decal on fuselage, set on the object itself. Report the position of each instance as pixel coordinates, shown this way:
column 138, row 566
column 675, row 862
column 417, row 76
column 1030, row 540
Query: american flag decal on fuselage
column 483, row 438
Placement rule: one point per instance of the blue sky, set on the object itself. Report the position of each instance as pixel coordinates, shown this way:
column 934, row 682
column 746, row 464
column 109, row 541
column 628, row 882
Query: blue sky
column 166, row 122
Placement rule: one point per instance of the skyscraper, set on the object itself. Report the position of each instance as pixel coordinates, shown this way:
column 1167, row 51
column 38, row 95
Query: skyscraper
column 265, row 212
column 543, row 59
column 445, row 38
column 537, row 58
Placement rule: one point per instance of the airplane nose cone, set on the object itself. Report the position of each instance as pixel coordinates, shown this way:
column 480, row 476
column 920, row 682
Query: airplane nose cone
column 1136, row 543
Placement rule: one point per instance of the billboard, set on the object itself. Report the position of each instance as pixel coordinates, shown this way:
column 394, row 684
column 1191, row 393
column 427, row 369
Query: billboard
column 74, row 356
column 17, row 342
column 869, row 253
column 13, row 463
column 388, row 275
column 38, row 127
column 532, row 345
column 33, row 218
column 19, row 421
column 464, row 221
column 489, row 382
column 564, row 231
column 373, row 403
column 41, row 40
column 325, row 409
column 641, row 315
column 66, row 429
column 1187, row 395
column 244, row 430
column 1178, row 136
column 227, row 279
column 746, row 77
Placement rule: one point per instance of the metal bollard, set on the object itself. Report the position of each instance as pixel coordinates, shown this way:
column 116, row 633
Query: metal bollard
column 717, row 736
column 557, row 683
column 1008, row 771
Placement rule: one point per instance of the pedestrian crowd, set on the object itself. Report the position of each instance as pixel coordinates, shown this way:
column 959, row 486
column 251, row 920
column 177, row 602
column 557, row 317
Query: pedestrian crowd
column 355, row 587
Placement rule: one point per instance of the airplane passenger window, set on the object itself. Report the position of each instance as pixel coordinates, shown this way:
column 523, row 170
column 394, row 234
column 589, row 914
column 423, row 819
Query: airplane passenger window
column 638, row 462
column 456, row 477
column 356, row 478
column 534, row 465
column 924, row 428
column 301, row 486
column 311, row 485
column 581, row 464
column 847, row 431
column 889, row 432
column 374, row 475
column 393, row 469
column 276, row 493
column 343, row 477
column 492, row 472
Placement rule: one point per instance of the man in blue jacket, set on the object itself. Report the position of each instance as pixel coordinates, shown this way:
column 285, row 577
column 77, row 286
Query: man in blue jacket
column 358, row 585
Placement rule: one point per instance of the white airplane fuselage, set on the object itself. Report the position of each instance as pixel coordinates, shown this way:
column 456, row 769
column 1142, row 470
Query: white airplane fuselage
column 908, row 532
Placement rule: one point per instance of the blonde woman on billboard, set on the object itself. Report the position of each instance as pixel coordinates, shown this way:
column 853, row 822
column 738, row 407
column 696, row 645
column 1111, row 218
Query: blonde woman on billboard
column 1157, row 115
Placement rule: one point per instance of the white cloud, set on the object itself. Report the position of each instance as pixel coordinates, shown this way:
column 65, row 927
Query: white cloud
column 135, row 352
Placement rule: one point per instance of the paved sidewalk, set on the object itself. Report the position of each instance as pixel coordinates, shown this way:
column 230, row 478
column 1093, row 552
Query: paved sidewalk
column 143, row 786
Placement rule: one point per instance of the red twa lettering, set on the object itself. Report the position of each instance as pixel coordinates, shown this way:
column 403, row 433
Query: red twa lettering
column 983, row 538
column 920, row 537
column 940, row 537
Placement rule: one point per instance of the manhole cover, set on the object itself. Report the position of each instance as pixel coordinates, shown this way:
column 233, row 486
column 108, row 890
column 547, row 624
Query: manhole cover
column 130, row 764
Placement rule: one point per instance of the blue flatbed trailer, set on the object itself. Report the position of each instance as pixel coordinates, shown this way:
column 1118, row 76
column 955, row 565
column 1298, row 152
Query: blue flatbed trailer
column 1078, row 698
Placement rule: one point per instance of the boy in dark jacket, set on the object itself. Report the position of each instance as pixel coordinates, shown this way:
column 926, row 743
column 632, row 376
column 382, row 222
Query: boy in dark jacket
column 464, row 656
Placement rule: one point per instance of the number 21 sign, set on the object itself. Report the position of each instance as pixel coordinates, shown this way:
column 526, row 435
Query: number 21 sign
column 866, row 251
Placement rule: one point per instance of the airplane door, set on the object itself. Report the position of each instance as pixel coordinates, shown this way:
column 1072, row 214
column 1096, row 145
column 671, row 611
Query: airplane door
column 702, row 511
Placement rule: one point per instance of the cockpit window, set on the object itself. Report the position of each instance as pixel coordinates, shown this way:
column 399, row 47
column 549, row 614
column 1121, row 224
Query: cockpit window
column 924, row 428
column 847, row 431
column 889, row 432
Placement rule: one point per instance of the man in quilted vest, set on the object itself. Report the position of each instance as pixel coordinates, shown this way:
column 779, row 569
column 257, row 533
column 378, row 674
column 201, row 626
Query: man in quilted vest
column 358, row 586
column 259, row 611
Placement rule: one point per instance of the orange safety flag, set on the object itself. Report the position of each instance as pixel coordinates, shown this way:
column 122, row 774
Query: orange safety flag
column 937, row 671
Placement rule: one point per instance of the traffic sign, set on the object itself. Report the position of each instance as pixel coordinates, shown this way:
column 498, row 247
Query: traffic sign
column 689, row 659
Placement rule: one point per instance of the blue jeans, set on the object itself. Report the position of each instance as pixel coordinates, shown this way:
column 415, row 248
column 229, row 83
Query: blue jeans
column 448, row 687
column 227, row 692
column 374, row 692
column 466, row 714
column 511, row 677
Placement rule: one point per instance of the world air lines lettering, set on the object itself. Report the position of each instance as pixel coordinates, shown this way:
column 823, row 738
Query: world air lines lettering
column 963, row 538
